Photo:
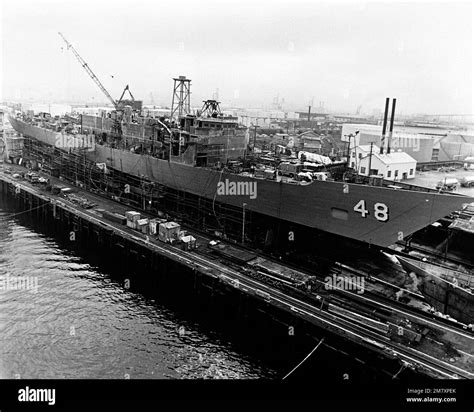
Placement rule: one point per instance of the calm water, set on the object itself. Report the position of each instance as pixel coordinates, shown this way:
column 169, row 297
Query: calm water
column 79, row 323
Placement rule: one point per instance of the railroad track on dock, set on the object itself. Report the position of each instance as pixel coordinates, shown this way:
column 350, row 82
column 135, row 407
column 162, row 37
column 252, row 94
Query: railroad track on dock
column 409, row 355
column 402, row 308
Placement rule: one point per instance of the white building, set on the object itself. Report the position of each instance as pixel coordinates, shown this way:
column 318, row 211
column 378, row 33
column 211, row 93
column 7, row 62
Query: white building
column 393, row 166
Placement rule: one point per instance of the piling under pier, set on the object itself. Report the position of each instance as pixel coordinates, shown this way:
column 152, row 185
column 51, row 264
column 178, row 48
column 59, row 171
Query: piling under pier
column 211, row 283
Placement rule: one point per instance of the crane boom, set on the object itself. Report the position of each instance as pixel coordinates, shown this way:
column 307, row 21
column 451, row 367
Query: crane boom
column 123, row 94
column 89, row 71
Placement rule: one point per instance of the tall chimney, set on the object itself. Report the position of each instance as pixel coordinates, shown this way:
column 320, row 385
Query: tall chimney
column 384, row 127
column 394, row 102
column 309, row 113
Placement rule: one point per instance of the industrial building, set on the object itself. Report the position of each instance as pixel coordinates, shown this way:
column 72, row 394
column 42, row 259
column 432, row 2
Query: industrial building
column 368, row 161
column 424, row 144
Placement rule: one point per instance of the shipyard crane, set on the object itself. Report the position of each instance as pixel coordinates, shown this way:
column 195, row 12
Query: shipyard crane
column 91, row 73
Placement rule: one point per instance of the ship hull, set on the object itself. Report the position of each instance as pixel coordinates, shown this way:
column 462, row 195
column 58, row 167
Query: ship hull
column 376, row 215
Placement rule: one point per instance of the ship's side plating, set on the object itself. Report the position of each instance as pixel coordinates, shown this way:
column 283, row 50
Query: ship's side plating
column 376, row 215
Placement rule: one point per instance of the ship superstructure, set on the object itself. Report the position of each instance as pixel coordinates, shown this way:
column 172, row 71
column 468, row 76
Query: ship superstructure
column 200, row 168
column 197, row 165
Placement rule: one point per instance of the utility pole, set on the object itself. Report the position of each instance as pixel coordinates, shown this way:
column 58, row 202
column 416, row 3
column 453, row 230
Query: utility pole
column 349, row 148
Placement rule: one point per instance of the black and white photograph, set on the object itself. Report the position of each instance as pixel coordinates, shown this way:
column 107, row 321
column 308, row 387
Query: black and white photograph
column 248, row 200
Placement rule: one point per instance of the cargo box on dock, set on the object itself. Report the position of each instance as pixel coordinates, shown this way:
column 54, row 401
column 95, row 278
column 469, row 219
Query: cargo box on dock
column 132, row 216
column 153, row 226
column 189, row 242
column 142, row 225
column 168, row 232
column 114, row 217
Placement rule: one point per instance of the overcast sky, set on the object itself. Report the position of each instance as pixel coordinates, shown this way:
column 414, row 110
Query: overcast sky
column 345, row 54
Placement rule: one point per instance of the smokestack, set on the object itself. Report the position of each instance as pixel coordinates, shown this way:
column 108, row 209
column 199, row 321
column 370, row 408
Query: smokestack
column 309, row 113
column 394, row 102
column 384, row 128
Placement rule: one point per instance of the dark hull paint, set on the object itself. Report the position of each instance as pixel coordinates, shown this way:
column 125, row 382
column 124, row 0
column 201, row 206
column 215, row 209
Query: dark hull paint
column 310, row 204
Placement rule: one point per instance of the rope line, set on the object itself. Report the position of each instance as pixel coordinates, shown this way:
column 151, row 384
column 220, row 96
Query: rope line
column 299, row 364
column 401, row 369
column 25, row 211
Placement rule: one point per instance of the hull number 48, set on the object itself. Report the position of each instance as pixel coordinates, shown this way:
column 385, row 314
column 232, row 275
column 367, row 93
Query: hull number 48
column 381, row 212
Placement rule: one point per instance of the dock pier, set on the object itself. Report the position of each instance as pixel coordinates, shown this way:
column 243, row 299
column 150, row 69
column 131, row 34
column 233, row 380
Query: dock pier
column 219, row 287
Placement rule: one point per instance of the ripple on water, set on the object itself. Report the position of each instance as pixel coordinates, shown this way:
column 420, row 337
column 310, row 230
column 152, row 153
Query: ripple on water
column 80, row 324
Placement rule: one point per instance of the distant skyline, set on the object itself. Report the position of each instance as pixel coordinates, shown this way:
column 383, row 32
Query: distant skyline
column 344, row 54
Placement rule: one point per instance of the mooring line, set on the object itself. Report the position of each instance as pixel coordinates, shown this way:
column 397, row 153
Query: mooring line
column 309, row 354
column 20, row 213
column 398, row 373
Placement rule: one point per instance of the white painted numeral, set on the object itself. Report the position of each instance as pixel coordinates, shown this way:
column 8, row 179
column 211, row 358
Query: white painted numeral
column 360, row 208
column 381, row 212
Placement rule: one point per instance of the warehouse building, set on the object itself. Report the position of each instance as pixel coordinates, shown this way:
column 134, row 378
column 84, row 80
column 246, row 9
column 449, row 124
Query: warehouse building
column 422, row 143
